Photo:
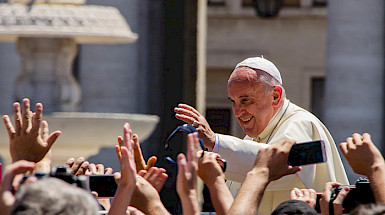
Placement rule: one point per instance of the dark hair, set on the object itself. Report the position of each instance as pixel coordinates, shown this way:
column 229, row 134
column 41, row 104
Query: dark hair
column 294, row 207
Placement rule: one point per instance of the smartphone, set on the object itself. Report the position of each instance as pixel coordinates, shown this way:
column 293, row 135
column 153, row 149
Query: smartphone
column 104, row 185
column 305, row 153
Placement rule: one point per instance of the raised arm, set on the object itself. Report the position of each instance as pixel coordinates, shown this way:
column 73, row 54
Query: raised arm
column 270, row 164
column 26, row 140
column 127, row 180
column 212, row 175
column 186, row 182
column 365, row 159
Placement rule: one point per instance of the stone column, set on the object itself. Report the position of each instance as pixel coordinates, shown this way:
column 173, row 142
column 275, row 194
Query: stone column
column 46, row 73
column 355, row 71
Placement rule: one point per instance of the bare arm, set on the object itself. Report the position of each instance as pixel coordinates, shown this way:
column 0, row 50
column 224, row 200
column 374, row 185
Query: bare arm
column 211, row 173
column 127, row 181
column 186, row 184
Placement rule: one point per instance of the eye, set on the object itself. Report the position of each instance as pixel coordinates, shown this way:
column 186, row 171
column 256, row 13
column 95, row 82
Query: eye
column 245, row 101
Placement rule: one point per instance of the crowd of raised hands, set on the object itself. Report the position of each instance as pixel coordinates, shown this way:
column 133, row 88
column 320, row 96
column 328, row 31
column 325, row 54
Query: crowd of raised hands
column 139, row 182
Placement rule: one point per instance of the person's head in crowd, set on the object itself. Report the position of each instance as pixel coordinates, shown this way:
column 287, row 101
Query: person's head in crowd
column 294, row 207
column 369, row 209
column 53, row 196
column 255, row 89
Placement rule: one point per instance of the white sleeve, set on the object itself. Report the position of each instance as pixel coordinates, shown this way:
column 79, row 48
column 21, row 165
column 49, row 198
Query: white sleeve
column 216, row 145
column 239, row 154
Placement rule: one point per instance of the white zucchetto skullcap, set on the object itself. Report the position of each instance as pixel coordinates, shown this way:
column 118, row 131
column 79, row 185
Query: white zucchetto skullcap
column 260, row 63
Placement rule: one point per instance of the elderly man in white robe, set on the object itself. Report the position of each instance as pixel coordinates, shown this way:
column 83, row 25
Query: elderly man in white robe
column 260, row 106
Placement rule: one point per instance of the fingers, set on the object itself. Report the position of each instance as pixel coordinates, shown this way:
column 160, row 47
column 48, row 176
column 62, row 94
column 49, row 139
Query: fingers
column 341, row 196
column 142, row 172
column 294, row 169
column 328, row 189
column 152, row 175
column 192, row 148
column 92, row 169
column 70, row 162
column 357, row 139
column 189, row 108
column 37, row 118
column 344, row 148
column 12, row 170
column 117, row 177
column 139, row 160
column 337, row 203
column 127, row 167
column 151, row 162
column 186, row 113
column 79, row 167
column 108, row 171
column 26, row 116
column 181, row 165
column 8, row 125
column 366, row 137
column 350, row 145
column 127, row 133
column 295, row 193
column 118, row 153
column 100, row 169
column 95, row 194
column 17, row 117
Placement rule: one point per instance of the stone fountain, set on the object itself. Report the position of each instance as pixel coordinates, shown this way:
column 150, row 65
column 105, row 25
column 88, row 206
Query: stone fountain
column 47, row 33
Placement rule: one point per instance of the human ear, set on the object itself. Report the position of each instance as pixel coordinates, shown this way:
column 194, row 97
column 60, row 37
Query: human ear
column 277, row 95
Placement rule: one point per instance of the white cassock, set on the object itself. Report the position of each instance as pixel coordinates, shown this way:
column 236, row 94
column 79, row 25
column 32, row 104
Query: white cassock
column 291, row 122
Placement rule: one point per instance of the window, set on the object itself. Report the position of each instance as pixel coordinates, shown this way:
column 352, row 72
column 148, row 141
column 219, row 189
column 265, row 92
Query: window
column 219, row 120
column 216, row 2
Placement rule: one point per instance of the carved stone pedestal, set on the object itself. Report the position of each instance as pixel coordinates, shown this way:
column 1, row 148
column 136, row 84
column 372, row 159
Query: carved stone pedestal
column 46, row 74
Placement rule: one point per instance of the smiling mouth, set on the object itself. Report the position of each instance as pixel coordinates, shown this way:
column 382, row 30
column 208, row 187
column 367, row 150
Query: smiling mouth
column 246, row 119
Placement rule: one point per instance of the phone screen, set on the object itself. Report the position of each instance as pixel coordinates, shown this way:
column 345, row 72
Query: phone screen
column 104, row 185
column 307, row 153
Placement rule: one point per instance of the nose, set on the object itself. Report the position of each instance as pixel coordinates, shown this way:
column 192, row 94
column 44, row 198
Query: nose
column 238, row 110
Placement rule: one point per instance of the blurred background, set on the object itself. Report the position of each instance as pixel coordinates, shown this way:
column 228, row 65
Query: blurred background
column 330, row 55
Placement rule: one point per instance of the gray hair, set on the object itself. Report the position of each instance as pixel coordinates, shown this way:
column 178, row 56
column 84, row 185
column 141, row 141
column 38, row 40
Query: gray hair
column 268, row 81
column 369, row 209
column 51, row 196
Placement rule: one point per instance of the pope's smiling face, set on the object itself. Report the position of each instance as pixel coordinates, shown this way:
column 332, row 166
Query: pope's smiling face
column 252, row 105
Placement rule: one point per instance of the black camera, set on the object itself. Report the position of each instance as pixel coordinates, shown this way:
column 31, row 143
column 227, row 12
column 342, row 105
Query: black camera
column 360, row 193
column 64, row 174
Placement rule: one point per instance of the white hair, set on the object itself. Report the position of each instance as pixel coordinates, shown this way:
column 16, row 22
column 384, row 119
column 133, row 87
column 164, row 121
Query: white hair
column 52, row 196
column 268, row 81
